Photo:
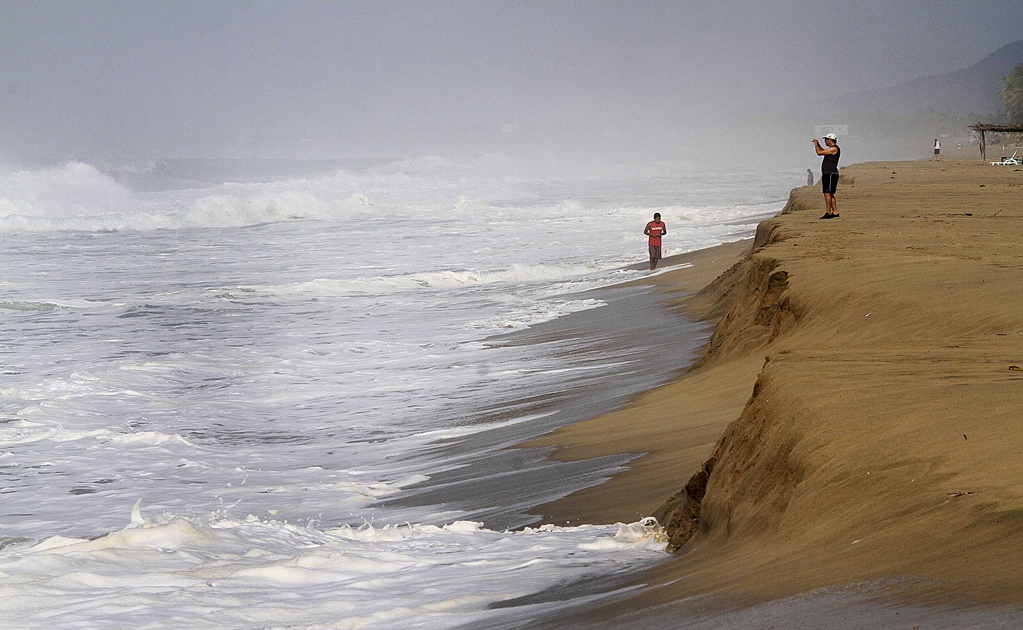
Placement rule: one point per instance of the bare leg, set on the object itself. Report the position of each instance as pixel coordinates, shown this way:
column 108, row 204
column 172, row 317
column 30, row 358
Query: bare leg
column 830, row 204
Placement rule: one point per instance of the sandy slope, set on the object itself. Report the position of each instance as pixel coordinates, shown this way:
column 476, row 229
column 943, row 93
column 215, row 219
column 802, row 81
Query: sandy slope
column 855, row 408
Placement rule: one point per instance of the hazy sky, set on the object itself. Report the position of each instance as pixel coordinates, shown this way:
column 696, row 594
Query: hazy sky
column 328, row 79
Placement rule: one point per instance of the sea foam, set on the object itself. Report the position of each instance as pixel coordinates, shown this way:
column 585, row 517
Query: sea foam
column 216, row 572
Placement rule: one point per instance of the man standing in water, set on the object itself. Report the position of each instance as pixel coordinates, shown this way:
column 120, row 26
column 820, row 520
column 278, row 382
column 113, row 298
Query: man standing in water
column 655, row 230
column 829, row 173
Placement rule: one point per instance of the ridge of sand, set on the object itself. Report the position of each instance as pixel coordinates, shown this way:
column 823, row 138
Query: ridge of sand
column 855, row 408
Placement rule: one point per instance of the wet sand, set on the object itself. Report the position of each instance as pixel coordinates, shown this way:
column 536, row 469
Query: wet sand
column 645, row 426
column 597, row 359
column 859, row 410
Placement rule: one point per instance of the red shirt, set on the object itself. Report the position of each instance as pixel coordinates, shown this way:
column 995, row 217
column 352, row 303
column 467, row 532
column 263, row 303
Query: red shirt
column 654, row 229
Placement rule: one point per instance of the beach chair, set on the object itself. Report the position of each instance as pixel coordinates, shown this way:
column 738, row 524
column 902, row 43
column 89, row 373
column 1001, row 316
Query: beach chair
column 1012, row 160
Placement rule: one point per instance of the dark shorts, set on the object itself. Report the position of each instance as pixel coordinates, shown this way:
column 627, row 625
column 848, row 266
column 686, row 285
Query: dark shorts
column 829, row 183
column 655, row 252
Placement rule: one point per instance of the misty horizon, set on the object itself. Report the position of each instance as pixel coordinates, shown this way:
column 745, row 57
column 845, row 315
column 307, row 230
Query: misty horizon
column 612, row 81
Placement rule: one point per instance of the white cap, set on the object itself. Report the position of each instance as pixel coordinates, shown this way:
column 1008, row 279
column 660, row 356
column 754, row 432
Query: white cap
column 831, row 136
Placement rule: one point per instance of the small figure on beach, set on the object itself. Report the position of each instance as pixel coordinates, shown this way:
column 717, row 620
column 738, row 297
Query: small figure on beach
column 655, row 230
column 809, row 177
column 937, row 149
column 829, row 173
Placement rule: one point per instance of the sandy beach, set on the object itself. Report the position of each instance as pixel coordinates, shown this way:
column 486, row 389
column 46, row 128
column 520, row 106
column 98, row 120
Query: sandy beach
column 856, row 415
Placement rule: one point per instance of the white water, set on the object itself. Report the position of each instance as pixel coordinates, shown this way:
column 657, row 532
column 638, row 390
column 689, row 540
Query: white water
column 268, row 365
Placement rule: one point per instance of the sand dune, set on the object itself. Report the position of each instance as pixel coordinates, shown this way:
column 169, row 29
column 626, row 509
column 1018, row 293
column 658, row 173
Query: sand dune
column 857, row 412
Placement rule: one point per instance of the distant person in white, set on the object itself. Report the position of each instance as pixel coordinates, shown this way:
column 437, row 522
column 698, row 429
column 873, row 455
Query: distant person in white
column 937, row 149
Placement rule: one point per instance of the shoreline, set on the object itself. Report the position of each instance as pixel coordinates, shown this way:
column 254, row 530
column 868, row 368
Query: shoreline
column 603, row 436
column 854, row 411
column 600, row 357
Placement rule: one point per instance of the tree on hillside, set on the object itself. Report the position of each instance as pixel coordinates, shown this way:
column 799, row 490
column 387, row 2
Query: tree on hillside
column 1012, row 96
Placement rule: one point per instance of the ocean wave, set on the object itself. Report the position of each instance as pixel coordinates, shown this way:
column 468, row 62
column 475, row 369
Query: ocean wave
column 257, row 205
column 25, row 432
column 379, row 489
column 79, row 197
column 534, row 313
column 434, row 280
column 217, row 572
column 82, row 197
column 49, row 305
column 75, row 196
column 431, row 280
column 26, row 305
